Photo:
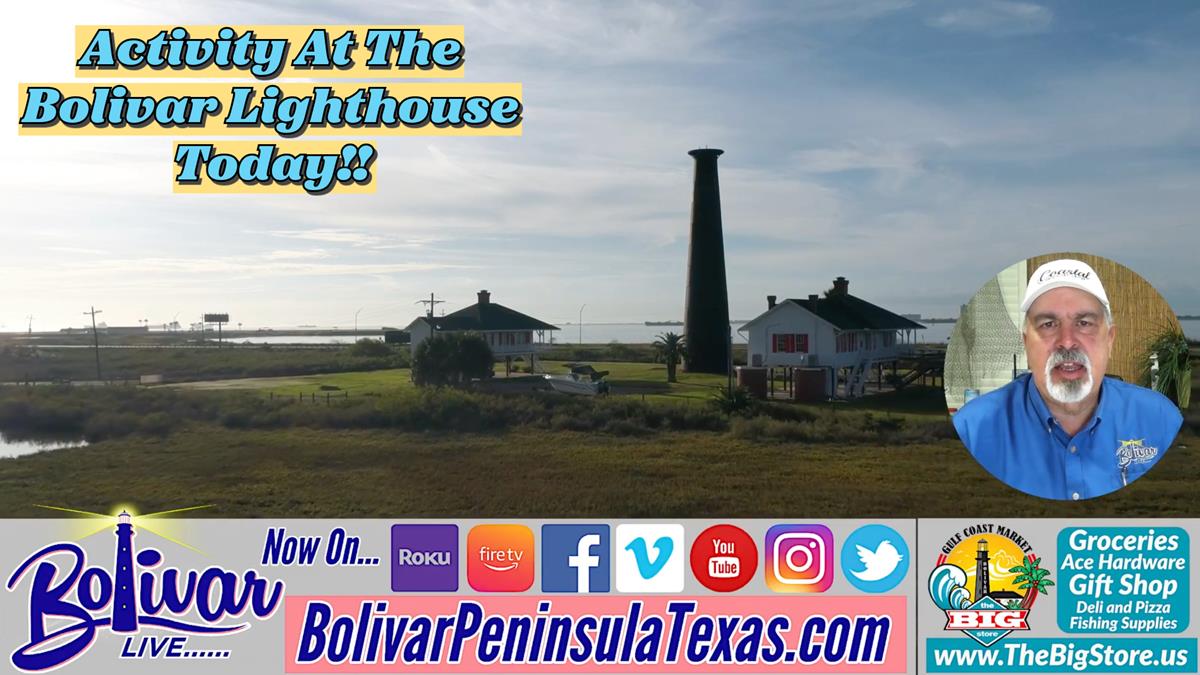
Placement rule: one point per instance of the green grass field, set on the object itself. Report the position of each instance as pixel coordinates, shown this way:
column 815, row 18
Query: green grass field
column 649, row 379
column 534, row 473
column 756, row 468
column 23, row 364
column 375, row 382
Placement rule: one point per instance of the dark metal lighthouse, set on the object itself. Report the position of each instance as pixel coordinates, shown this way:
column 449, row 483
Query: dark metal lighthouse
column 706, row 314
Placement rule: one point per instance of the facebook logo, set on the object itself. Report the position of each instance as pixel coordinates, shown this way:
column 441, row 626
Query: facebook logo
column 575, row 558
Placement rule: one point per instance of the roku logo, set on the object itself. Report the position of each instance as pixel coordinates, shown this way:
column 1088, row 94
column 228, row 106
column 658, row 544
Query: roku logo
column 407, row 557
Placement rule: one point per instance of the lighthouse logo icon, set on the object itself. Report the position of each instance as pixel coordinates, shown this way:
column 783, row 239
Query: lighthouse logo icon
column 70, row 602
column 124, row 618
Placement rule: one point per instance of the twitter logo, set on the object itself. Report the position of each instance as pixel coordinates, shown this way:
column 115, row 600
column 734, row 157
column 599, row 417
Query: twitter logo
column 875, row 558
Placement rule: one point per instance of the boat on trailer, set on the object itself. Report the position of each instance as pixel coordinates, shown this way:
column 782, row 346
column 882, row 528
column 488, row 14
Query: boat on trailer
column 583, row 380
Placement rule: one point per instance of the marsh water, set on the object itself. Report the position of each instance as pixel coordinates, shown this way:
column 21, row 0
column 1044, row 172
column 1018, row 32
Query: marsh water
column 16, row 446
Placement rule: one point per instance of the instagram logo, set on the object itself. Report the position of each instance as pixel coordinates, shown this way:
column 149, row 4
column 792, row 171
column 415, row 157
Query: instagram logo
column 799, row 558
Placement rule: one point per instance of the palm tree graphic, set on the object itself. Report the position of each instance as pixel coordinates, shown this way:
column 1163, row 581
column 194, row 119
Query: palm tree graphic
column 1031, row 576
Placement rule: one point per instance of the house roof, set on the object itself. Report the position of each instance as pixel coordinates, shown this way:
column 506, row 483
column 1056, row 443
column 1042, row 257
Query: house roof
column 848, row 312
column 486, row 316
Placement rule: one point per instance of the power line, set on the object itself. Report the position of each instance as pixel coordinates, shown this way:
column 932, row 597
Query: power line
column 431, row 302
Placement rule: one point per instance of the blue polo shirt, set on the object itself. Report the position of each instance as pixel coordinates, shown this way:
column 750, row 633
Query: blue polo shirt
column 1011, row 432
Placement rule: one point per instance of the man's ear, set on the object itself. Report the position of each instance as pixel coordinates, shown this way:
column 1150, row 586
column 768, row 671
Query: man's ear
column 1112, row 339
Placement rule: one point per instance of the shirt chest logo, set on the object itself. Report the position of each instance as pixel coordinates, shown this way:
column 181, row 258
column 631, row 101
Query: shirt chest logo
column 1135, row 452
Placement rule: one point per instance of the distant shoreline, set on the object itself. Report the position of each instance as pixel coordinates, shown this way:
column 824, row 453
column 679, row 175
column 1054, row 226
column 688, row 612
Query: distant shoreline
column 231, row 335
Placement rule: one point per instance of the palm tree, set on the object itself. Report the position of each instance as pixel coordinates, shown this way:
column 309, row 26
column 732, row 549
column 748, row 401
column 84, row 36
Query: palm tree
column 1033, row 577
column 1174, row 378
column 671, row 348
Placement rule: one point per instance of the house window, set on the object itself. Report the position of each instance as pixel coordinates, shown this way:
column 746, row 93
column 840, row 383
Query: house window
column 849, row 342
column 789, row 343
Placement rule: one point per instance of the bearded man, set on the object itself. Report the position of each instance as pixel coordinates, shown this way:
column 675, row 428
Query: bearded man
column 1064, row 430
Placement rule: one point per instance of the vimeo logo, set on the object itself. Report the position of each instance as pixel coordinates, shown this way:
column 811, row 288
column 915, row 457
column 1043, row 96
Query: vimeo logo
column 575, row 558
column 649, row 558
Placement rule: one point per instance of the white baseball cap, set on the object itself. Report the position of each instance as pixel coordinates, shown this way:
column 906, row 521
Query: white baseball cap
column 1064, row 273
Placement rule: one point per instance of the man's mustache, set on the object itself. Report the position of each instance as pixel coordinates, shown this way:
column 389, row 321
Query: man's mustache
column 1061, row 356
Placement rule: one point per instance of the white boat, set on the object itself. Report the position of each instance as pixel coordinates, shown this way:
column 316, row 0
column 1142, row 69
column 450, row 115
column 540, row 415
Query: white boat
column 582, row 380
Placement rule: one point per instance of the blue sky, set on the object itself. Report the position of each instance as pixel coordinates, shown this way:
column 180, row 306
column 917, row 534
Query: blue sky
column 916, row 148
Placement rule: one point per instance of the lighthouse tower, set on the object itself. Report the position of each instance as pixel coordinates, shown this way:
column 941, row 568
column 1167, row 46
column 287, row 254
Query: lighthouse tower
column 706, row 309
column 983, row 582
column 124, row 617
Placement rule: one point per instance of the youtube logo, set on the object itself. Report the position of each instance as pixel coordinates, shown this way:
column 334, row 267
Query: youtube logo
column 724, row 558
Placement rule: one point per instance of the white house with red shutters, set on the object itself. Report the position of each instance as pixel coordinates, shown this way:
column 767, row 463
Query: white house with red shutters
column 841, row 333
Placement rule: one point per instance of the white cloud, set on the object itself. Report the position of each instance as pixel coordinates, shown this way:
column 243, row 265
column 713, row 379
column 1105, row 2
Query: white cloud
column 852, row 156
column 332, row 236
column 310, row 254
column 901, row 181
column 997, row 18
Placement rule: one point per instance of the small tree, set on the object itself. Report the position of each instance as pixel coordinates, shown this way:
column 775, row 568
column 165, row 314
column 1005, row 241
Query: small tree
column 736, row 401
column 671, row 348
column 370, row 348
column 452, row 359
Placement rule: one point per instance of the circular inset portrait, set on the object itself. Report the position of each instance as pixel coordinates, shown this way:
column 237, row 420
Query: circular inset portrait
column 1065, row 376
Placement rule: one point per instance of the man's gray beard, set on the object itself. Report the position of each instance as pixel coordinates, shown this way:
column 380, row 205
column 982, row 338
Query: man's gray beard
column 1068, row 391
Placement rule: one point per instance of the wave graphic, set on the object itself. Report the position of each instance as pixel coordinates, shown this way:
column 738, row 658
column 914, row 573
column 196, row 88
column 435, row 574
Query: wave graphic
column 947, row 586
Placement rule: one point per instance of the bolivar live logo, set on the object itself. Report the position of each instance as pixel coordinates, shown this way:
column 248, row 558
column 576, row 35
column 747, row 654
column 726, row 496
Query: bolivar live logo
column 160, row 598
column 1006, row 576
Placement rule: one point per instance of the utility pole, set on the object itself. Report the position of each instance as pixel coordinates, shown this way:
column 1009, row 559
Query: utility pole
column 729, row 359
column 581, row 323
column 96, row 339
column 431, row 302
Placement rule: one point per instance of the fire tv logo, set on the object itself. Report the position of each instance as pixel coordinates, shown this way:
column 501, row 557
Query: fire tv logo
column 500, row 558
